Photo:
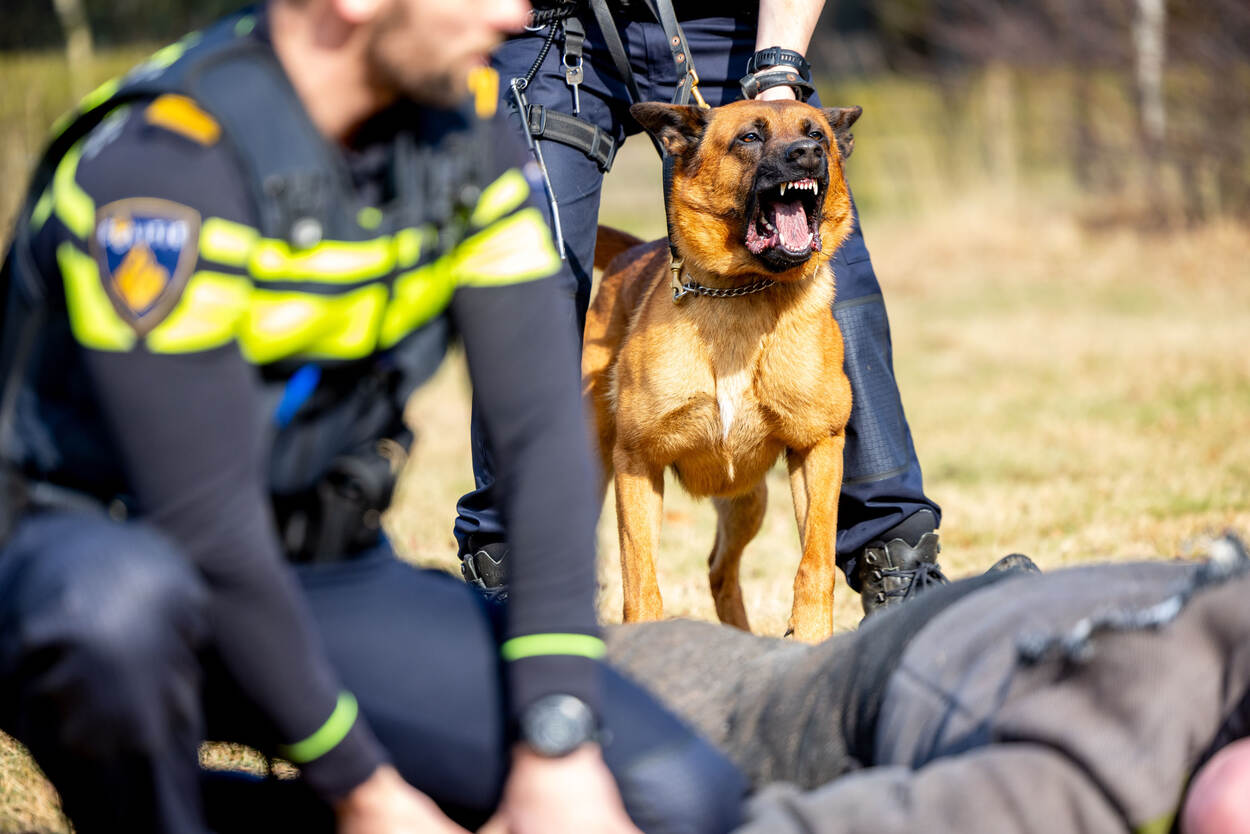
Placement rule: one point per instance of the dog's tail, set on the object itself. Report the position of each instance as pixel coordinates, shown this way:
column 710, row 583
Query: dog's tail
column 611, row 242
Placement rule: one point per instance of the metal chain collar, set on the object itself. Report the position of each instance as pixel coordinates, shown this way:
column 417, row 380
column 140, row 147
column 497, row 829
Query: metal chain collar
column 689, row 287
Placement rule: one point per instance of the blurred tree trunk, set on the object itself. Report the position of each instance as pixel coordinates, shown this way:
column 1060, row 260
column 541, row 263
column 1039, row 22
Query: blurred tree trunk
column 1149, row 34
column 1002, row 144
column 78, row 51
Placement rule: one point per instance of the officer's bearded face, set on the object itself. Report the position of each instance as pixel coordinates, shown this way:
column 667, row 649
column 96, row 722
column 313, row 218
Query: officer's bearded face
column 425, row 49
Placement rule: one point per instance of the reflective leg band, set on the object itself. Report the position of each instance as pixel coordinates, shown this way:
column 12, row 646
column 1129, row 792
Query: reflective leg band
column 532, row 645
column 327, row 737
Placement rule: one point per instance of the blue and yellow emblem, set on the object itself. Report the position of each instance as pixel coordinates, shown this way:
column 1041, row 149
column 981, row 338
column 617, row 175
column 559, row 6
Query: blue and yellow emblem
column 146, row 249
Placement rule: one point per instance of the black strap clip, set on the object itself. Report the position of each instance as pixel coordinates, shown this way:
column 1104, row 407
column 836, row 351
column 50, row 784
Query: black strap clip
column 590, row 139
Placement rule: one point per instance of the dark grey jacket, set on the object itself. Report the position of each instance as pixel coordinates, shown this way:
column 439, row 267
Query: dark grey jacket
column 1075, row 701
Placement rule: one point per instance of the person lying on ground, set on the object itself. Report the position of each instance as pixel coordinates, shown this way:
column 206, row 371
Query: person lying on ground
column 1096, row 699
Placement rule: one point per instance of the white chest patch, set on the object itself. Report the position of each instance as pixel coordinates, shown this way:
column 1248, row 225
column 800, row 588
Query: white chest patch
column 729, row 393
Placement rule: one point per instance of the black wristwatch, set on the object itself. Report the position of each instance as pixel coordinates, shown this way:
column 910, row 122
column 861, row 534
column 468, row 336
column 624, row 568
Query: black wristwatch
column 775, row 56
column 556, row 725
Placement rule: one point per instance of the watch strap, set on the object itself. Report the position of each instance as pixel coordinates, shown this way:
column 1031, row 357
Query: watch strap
column 757, row 82
column 775, row 56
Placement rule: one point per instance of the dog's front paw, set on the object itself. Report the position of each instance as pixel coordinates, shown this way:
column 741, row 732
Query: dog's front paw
column 806, row 631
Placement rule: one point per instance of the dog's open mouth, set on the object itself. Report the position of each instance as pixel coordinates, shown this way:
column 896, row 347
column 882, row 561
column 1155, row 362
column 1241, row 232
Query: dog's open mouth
column 786, row 220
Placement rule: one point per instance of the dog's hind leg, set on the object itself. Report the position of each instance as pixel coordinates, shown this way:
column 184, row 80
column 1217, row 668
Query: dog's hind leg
column 639, row 503
column 815, row 483
column 738, row 519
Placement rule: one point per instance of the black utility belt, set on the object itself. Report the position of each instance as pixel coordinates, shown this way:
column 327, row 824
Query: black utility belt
column 337, row 520
column 637, row 10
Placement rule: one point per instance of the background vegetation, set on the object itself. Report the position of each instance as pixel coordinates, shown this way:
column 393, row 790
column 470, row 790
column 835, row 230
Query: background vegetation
column 1068, row 282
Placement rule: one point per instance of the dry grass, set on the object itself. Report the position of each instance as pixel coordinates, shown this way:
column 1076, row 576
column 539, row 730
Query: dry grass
column 1075, row 395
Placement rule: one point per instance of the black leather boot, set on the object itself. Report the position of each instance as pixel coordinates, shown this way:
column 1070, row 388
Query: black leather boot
column 485, row 567
column 899, row 565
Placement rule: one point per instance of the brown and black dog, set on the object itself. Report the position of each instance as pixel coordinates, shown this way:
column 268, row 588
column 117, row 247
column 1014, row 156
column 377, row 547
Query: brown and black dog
column 718, row 387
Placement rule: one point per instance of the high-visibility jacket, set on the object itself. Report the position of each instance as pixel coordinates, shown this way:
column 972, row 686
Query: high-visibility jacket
column 214, row 317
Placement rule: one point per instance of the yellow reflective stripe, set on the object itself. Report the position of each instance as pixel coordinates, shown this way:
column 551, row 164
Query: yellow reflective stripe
column 205, row 317
column 166, row 55
column 158, row 60
column 359, row 315
column 280, row 324
column 92, row 318
column 227, row 242
column 90, row 101
column 42, row 210
column 531, row 645
column 513, row 250
column 500, row 197
column 335, row 261
column 407, row 247
column 99, row 95
column 72, row 205
column 328, row 736
column 417, row 297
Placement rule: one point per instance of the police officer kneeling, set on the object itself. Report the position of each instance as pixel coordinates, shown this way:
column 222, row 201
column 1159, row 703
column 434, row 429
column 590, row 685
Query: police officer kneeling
column 232, row 268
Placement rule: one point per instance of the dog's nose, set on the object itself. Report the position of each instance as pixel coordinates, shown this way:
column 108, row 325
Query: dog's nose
column 806, row 154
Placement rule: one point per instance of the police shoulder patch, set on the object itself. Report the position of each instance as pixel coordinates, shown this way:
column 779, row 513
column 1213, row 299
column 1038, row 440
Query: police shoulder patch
column 181, row 115
column 146, row 249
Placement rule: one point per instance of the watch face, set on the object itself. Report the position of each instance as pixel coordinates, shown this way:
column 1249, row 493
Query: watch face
column 556, row 725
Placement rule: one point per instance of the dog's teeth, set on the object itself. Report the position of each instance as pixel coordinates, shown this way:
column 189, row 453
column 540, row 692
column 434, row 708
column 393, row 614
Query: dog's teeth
column 783, row 187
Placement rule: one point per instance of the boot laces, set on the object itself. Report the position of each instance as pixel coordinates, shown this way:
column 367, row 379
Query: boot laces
column 924, row 575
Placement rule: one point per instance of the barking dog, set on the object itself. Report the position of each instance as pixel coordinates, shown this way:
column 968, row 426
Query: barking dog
column 718, row 367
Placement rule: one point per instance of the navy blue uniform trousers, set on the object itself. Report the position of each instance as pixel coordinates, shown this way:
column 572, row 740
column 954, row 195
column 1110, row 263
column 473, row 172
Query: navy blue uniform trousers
column 882, row 485
column 107, row 674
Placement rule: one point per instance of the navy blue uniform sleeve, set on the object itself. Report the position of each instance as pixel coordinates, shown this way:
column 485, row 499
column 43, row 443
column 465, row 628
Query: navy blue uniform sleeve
column 520, row 337
column 523, row 362
column 191, row 442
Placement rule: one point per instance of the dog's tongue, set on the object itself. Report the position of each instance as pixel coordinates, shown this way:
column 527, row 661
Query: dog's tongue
column 791, row 223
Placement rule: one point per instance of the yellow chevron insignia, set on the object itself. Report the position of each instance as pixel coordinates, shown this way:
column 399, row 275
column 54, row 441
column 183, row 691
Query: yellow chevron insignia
column 183, row 116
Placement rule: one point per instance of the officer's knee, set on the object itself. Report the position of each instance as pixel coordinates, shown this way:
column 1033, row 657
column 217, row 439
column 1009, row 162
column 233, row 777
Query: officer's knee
column 109, row 630
column 686, row 789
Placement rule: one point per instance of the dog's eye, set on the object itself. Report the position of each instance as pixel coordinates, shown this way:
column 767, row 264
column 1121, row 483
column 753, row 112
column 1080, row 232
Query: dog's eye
column 748, row 138
column 819, row 136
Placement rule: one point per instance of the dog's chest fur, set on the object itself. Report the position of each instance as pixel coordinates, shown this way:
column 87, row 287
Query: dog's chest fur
column 747, row 378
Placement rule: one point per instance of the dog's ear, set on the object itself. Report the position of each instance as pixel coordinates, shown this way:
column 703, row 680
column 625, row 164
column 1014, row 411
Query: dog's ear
column 678, row 127
column 841, row 119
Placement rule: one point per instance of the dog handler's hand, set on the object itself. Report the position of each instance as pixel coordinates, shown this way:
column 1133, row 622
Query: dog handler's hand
column 781, row 93
column 386, row 804
column 573, row 794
